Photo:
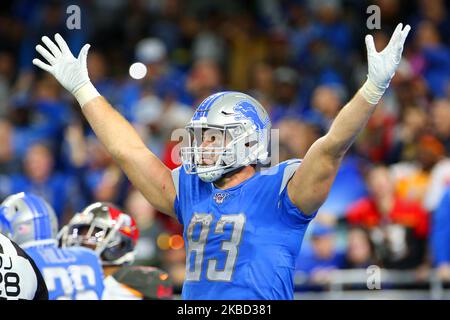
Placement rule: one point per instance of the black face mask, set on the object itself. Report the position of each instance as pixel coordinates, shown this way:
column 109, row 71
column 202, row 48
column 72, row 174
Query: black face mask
column 116, row 252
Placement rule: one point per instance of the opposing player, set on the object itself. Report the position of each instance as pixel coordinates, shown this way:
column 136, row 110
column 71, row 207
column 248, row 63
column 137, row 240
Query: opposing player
column 20, row 278
column 73, row 273
column 112, row 234
column 243, row 229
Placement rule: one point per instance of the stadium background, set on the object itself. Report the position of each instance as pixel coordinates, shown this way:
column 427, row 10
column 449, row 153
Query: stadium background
column 303, row 60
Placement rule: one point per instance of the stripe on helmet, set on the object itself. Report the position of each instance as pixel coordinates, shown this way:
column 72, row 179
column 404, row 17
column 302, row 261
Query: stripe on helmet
column 28, row 202
column 44, row 218
column 203, row 108
column 41, row 217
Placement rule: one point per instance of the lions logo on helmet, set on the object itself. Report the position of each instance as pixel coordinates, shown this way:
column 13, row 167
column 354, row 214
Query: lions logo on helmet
column 247, row 111
column 240, row 127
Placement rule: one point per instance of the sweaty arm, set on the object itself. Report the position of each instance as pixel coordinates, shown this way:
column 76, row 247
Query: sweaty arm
column 311, row 183
column 147, row 173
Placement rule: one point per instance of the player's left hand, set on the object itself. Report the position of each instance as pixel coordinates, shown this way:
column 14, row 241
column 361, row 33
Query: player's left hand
column 382, row 65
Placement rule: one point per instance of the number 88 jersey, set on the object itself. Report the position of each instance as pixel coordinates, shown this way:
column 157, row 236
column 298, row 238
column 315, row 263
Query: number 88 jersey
column 242, row 242
column 73, row 273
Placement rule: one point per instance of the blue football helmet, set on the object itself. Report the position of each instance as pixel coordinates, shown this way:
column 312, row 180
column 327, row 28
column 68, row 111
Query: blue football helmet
column 229, row 130
column 28, row 220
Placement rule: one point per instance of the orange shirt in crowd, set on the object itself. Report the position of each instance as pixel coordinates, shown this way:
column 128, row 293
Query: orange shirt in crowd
column 414, row 187
column 406, row 213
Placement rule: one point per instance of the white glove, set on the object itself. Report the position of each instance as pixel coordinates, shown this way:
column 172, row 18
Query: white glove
column 382, row 65
column 71, row 73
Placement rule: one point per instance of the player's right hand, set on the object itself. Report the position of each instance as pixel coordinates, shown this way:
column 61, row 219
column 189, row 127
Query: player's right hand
column 70, row 72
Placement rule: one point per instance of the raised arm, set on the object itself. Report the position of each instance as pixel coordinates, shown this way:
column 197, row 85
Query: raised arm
column 147, row 173
column 311, row 183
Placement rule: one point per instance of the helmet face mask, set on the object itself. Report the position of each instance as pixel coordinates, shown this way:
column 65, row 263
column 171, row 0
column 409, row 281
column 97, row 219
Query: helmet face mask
column 102, row 227
column 89, row 236
column 225, row 135
column 210, row 151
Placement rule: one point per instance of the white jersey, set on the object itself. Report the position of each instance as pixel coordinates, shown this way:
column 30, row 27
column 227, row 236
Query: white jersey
column 137, row 283
column 114, row 290
column 19, row 276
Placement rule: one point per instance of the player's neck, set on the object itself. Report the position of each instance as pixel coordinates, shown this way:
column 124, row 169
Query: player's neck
column 109, row 270
column 232, row 180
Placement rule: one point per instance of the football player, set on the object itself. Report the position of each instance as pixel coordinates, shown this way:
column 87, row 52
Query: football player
column 243, row 227
column 112, row 234
column 72, row 273
column 20, row 278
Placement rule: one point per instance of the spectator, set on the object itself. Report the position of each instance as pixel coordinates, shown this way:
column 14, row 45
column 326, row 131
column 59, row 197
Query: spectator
column 102, row 178
column 375, row 141
column 147, row 251
column 262, row 84
column 321, row 257
column 204, row 79
column 414, row 184
column 287, row 101
column 297, row 136
column 412, row 125
column 434, row 11
column 7, row 65
column 247, row 44
column 326, row 100
column 441, row 122
column 360, row 251
column 399, row 228
column 435, row 56
column 7, row 163
column 59, row 189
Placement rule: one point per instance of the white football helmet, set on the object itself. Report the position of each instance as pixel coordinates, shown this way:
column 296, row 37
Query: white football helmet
column 106, row 229
column 229, row 130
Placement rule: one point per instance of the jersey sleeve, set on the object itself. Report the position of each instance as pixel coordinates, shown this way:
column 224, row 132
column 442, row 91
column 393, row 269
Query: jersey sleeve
column 176, row 181
column 290, row 214
column 189, row 190
column 440, row 234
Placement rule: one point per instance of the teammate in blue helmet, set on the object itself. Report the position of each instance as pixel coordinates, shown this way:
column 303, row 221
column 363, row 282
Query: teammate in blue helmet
column 69, row 273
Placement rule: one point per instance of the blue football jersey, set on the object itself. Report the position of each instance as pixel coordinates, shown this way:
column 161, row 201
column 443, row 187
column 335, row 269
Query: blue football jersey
column 242, row 242
column 73, row 273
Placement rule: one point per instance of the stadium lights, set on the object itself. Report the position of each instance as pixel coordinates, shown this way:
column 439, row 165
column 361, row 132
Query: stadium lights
column 138, row 70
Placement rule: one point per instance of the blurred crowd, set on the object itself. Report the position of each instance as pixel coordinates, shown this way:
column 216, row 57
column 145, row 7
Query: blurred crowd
column 303, row 59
